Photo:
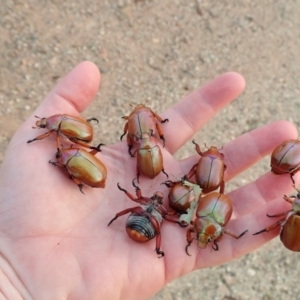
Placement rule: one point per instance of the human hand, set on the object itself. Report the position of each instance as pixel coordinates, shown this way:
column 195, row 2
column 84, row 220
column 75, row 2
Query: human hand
column 55, row 242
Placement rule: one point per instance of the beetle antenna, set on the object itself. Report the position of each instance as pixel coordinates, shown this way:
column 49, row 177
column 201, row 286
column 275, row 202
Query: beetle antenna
column 38, row 117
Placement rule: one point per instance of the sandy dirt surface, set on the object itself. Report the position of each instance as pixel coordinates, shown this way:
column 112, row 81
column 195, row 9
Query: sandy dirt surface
column 161, row 51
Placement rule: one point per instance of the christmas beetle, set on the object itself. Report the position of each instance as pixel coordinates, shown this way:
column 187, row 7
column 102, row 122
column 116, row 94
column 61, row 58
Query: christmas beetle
column 142, row 120
column 144, row 221
column 78, row 130
column 180, row 195
column 213, row 212
column 285, row 158
column 209, row 171
column 290, row 224
column 149, row 157
column 82, row 166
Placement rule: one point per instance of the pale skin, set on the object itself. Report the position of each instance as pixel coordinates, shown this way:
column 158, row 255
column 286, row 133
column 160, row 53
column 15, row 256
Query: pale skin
column 54, row 240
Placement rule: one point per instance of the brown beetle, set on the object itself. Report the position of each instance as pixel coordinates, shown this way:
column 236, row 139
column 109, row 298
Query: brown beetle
column 285, row 158
column 290, row 224
column 149, row 157
column 180, row 195
column 142, row 120
column 76, row 129
column 213, row 212
column 144, row 221
column 82, row 166
column 209, row 171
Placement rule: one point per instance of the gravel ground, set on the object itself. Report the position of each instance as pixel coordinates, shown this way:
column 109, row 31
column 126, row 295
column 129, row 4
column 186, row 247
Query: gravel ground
column 162, row 50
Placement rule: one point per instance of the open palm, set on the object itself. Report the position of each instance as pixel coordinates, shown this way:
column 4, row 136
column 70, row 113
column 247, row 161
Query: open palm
column 54, row 240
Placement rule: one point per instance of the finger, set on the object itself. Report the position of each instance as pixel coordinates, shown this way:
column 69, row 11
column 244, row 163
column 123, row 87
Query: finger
column 231, row 248
column 249, row 148
column 73, row 93
column 263, row 190
column 189, row 115
column 70, row 96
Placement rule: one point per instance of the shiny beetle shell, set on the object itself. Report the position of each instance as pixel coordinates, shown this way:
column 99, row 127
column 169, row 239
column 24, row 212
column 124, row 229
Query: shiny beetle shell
column 209, row 171
column 83, row 167
column 289, row 223
column 142, row 120
column 76, row 129
column 286, row 158
column 149, row 157
column 180, row 197
column 213, row 212
column 217, row 206
column 290, row 233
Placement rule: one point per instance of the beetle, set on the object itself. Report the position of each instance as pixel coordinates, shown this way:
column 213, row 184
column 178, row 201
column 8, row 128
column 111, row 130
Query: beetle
column 285, row 158
column 78, row 130
column 209, row 171
column 144, row 221
column 82, row 166
column 213, row 212
column 180, row 195
column 149, row 157
column 142, row 119
column 290, row 224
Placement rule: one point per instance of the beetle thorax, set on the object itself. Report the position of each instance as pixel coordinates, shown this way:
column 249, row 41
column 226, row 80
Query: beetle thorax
column 207, row 230
column 42, row 123
column 153, row 210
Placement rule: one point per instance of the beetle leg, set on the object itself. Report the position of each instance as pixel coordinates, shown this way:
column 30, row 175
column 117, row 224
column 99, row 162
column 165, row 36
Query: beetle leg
column 137, row 189
column 233, row 234
column 96, row 149
column 270, row 227
column 79, row 184
column 215, row 246
column 92, row 119
column 56, row 164
column 127, row 193
column 156, row 226
column 159, row 118
column 160, row 132
column 168, row 183
column 137, row 210
column 163, row 170
column 79, row 142
column 168, row 218
column 191, row 172
column 222, row 187
column 42, row 136
column 280, row 215
column 125, row 128
column 130, row 143
column 159, row 252
column 138, row 173
column 189, row 239
column 198, row 148
column 289, row 199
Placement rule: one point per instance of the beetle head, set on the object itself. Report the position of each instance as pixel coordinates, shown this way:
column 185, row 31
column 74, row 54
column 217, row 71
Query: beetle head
column 42, row 123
